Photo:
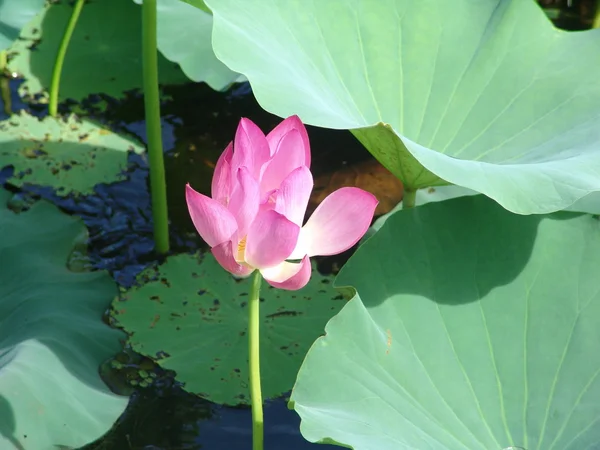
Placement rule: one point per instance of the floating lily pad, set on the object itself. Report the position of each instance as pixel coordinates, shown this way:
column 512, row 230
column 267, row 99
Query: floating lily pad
column 52, row 338
column 192, row 318
column 473, row 329
column 104, row 55
column 185, row 37
column 14, row 15
column 68, row 155
column 477, row 94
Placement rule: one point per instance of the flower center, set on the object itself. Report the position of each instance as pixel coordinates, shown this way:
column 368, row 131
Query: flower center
column 241, row 250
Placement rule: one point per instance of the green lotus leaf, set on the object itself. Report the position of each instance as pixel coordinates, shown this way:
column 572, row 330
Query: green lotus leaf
column 198, row 4
column 52, row 338
column 104, row 54
column 589, row 204
column 14, row 15
column 191, row 316
column 478, row 94
column 68, row 155
column 480, row 334
column 184, row 37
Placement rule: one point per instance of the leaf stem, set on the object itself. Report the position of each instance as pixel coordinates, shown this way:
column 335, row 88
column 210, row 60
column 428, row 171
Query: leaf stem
column 158, row 188
column 254, row 362
column 409, row 198
column 60, row 57
column 5, row 83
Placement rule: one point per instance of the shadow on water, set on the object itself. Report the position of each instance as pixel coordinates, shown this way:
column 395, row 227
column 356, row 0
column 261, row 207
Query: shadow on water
column 197, row 125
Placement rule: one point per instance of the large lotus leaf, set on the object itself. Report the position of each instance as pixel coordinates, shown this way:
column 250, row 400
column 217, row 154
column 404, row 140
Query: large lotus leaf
column 52, row 338
column 198, row 4
column 104, row 54
column 184, row 37
column 479, row 94
column 193, row 319
column 589, row 204
column 68, row 155
column 473, row 329
column 14, row 15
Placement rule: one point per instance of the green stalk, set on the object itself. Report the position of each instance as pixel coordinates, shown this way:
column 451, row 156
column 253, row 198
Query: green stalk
column 5, row 83
column 596, row 22
column 158, row 188
column 60, row 57
column 409, row 198
column 254, row 362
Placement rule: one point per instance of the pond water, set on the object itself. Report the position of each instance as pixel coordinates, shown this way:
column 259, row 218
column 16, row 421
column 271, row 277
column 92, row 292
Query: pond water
column 197, row 125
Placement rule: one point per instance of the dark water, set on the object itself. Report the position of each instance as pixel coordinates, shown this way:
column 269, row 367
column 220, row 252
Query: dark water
column 197, row 125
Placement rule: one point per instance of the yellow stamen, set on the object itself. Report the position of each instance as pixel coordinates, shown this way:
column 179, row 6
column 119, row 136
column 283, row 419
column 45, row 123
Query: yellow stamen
column 241, row 250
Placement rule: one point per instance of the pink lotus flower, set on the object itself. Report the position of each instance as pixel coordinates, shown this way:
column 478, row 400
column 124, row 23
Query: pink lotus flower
column 260, row 191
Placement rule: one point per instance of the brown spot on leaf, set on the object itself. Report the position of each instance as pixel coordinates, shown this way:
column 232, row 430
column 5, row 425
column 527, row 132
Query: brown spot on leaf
column 155, row 320
column 389, row 341
column 284, row 314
